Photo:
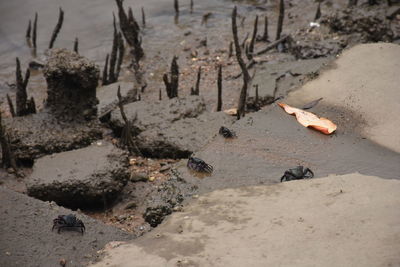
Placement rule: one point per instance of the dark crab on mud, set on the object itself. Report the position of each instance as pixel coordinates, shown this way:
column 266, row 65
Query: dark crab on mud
column 68, row 221
column 199, row 165
column 297, row 173
column 225, row 132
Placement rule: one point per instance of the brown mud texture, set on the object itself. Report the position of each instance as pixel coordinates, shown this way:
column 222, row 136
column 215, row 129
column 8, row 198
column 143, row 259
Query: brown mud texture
column 136, row 197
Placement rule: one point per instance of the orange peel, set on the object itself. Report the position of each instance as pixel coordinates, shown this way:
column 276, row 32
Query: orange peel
column 308, row 119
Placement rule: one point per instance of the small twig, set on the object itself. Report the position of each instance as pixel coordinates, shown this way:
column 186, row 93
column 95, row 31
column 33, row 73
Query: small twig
column 34, row 30
column 272, row 45
column 160, row 95
column 219, row 84
column 57, row 28
column 191, row 6
column 76, row 44
column 280, row 19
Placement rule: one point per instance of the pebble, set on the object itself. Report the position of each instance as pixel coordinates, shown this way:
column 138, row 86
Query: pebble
column 165, row 168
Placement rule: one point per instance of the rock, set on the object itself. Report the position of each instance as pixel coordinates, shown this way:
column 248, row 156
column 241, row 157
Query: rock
column 155, row 215
column 131, row 205
column 107, row 96
column 148, row 115
column 26, row 220
column 71, row 85
column 182, row 138
column 165, row 168
column 80, row 178
column 139, row 177
column 40, row 134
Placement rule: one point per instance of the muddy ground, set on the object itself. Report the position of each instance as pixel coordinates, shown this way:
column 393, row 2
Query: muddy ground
column 157, row 187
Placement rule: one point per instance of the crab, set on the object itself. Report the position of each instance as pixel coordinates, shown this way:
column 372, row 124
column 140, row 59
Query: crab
column 199, row 165
column 297, row 173
column 225, row 132
column 68, row 221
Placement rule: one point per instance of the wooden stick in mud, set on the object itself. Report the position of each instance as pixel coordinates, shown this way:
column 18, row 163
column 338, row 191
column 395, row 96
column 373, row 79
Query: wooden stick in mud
column 57, row 28
column 280, row 19
column 76, row 44
column 130, row 30
column 318, row 12
column 196, row 90
column 243, row 45
column 250, row 51
column 172, row 84
column 132, row 21
column 126, row 137
column 121, row 53
column 265, row 35
column 113, row 57
column 28, row 31
column 246, row 75
column 143, row 18
column 34, row 32
column 191, row 6
column 230, row 53
column 21, row 97
column 256, row 86
column 105, row 70
column 11, row 106
column 176, row 6
column 219, row 84
column 160, row 95
column 8, row 159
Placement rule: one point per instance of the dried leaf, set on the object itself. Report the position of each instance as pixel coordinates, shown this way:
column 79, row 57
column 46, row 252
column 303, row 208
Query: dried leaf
column 308, row 119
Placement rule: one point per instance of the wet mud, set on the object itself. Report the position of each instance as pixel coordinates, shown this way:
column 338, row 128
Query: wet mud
column 141, row 195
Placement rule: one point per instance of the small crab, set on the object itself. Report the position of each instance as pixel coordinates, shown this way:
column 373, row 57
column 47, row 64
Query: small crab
column 67, row 221
column 297, row 173
column 199, row 165
column 225, row 132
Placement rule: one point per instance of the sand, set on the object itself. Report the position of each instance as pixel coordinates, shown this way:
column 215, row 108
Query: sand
column 349, row 220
